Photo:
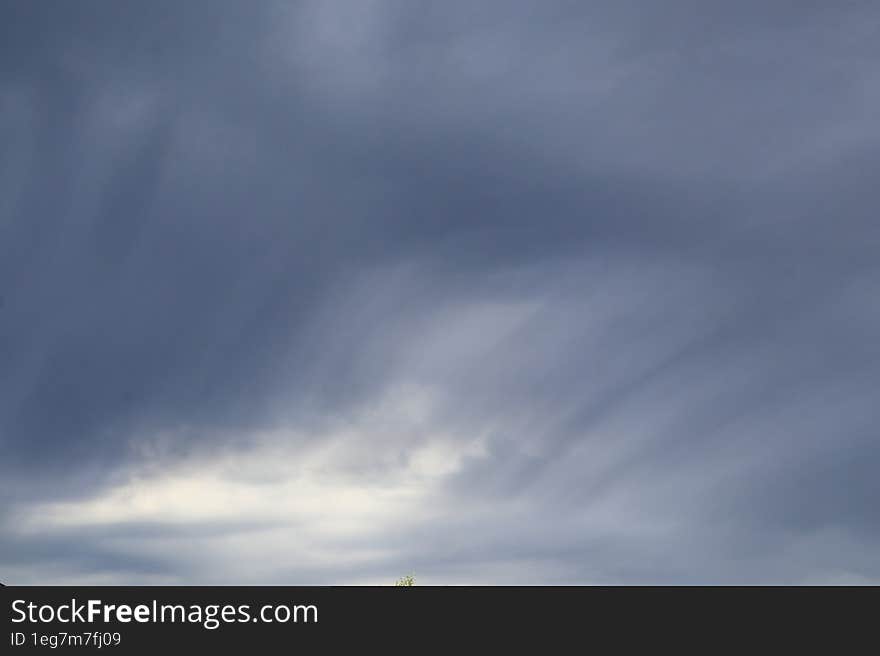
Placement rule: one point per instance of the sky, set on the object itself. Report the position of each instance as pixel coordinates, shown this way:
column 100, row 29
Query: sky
column 497, row 292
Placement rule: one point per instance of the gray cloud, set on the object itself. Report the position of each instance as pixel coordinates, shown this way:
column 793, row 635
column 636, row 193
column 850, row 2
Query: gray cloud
column 545, row 292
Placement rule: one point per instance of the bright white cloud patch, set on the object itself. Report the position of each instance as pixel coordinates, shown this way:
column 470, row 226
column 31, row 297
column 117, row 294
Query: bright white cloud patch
column 304, row 496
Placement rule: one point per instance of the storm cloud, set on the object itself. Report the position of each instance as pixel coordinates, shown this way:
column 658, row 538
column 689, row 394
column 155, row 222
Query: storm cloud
column 491, row 292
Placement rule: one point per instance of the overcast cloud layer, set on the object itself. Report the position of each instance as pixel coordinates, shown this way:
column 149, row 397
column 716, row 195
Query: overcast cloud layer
column 490, row 292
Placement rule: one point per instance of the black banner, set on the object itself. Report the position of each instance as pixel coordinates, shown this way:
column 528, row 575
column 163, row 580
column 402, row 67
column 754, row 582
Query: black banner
column 134, row 620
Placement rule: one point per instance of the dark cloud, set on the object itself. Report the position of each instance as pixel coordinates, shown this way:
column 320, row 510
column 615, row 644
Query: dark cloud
column 631, row 250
